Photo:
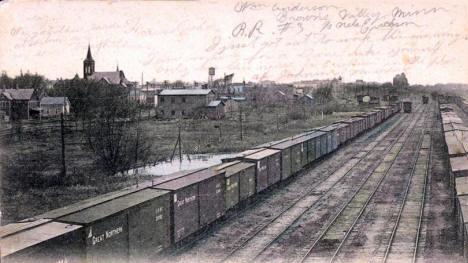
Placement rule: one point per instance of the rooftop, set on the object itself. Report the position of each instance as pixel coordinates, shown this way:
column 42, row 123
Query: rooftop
column 181, row 92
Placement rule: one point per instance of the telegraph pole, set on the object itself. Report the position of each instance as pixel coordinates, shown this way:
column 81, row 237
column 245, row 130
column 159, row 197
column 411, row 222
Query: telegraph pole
column 62, row 131
column 240, row 120
column 180, row 143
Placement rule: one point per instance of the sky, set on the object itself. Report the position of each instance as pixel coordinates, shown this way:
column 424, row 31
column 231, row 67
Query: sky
column 283, row 41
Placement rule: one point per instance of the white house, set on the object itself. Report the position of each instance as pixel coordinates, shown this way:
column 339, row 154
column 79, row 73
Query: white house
column 53, row 106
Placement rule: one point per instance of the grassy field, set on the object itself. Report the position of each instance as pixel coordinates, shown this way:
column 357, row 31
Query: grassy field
column 36, row 156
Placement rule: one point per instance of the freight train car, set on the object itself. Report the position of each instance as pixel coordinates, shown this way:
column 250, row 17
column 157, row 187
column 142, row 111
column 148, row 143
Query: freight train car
column 332, row 137
column 196, row 200
column 459, row 166
column 407, row 106
column 268, row 167
column 41, row 241
column 128, row 228
column 425, row 99
column 314, row 147
column 240, row 181
column 290, row 157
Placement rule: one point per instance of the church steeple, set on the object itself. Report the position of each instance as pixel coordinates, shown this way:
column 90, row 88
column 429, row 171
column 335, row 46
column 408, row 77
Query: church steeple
column 89, row 57
column 88, row 64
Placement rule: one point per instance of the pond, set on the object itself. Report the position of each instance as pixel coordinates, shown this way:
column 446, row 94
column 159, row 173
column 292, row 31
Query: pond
column 189, row 161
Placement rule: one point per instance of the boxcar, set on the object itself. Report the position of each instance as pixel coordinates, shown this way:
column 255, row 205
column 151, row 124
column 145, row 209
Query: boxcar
column 268, row 167
column 131, row 227
column 459, row 166
column 455, row 146
column 385, row 111
column 356, row 125
column 378, row 116
column 425, row 99
column 407, row 106
column 323, row 144
column 367, row 120
column 302, row 141
column 240, row 181
column 41, row 241
column 371, row 119
column 332, row 137
column 290, row 157
column 66, row 210
column 462, row 222
column 342, row 132
column 197, row 199
column 241, row 155
column 313, row 145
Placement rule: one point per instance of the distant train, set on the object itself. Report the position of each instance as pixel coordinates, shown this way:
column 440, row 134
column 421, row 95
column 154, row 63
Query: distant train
column 138, row 222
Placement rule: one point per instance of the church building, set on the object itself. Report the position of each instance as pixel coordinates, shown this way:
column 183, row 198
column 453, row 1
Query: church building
column 116, row 77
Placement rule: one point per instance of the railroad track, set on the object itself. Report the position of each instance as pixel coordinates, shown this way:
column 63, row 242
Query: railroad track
column 301, row 205
column 184, row 247
column 395, row 124
column 398, row 247
column 332, row 239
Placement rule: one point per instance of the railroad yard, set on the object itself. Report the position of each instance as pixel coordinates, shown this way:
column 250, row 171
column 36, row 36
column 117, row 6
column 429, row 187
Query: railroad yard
column 384, row 197
column 378, row 187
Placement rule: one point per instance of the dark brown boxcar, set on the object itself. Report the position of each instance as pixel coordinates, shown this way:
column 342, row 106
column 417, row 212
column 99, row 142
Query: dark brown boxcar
column 274, row 168
column 261, row 160
column 407, row 106
column 211, row 196
column 287, row 168
column 459, row 166
column 196, row 200
column 105, row 235
column 240, row 181
column 114, row 230
column 332, row 137
column 246, row 181
column 148, row 223
column 232, row 174
column 41, row 241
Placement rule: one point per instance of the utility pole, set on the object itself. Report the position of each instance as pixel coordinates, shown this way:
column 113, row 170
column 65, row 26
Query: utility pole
column 137, row 134
column 240, row 120
column 147, row 93
column 277, row 122
column 180, row 143
column 62, row 131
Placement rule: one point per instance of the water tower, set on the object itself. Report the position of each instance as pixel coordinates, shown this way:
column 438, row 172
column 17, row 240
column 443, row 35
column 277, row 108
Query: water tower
column 211, row 73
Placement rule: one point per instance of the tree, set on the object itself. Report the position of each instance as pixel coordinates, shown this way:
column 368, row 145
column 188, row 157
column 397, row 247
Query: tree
column 112, row 135
column 400, row 81
column 323, row 94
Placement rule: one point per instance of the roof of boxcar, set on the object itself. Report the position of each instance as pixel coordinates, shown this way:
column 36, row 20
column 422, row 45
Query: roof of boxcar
column 248, row 152
column 464, row 207
column 164, row 178
column 112, row 207
column 329, row 128
column 459, row 163
column 20, row 226
column 233, row 167
column 459, row 127
column 314, row 134
column 85, row 204
column 190, row 179
column 262, row 154
column 33, row 236
column 273, row 143
column 284, row 145
column 461, row 184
